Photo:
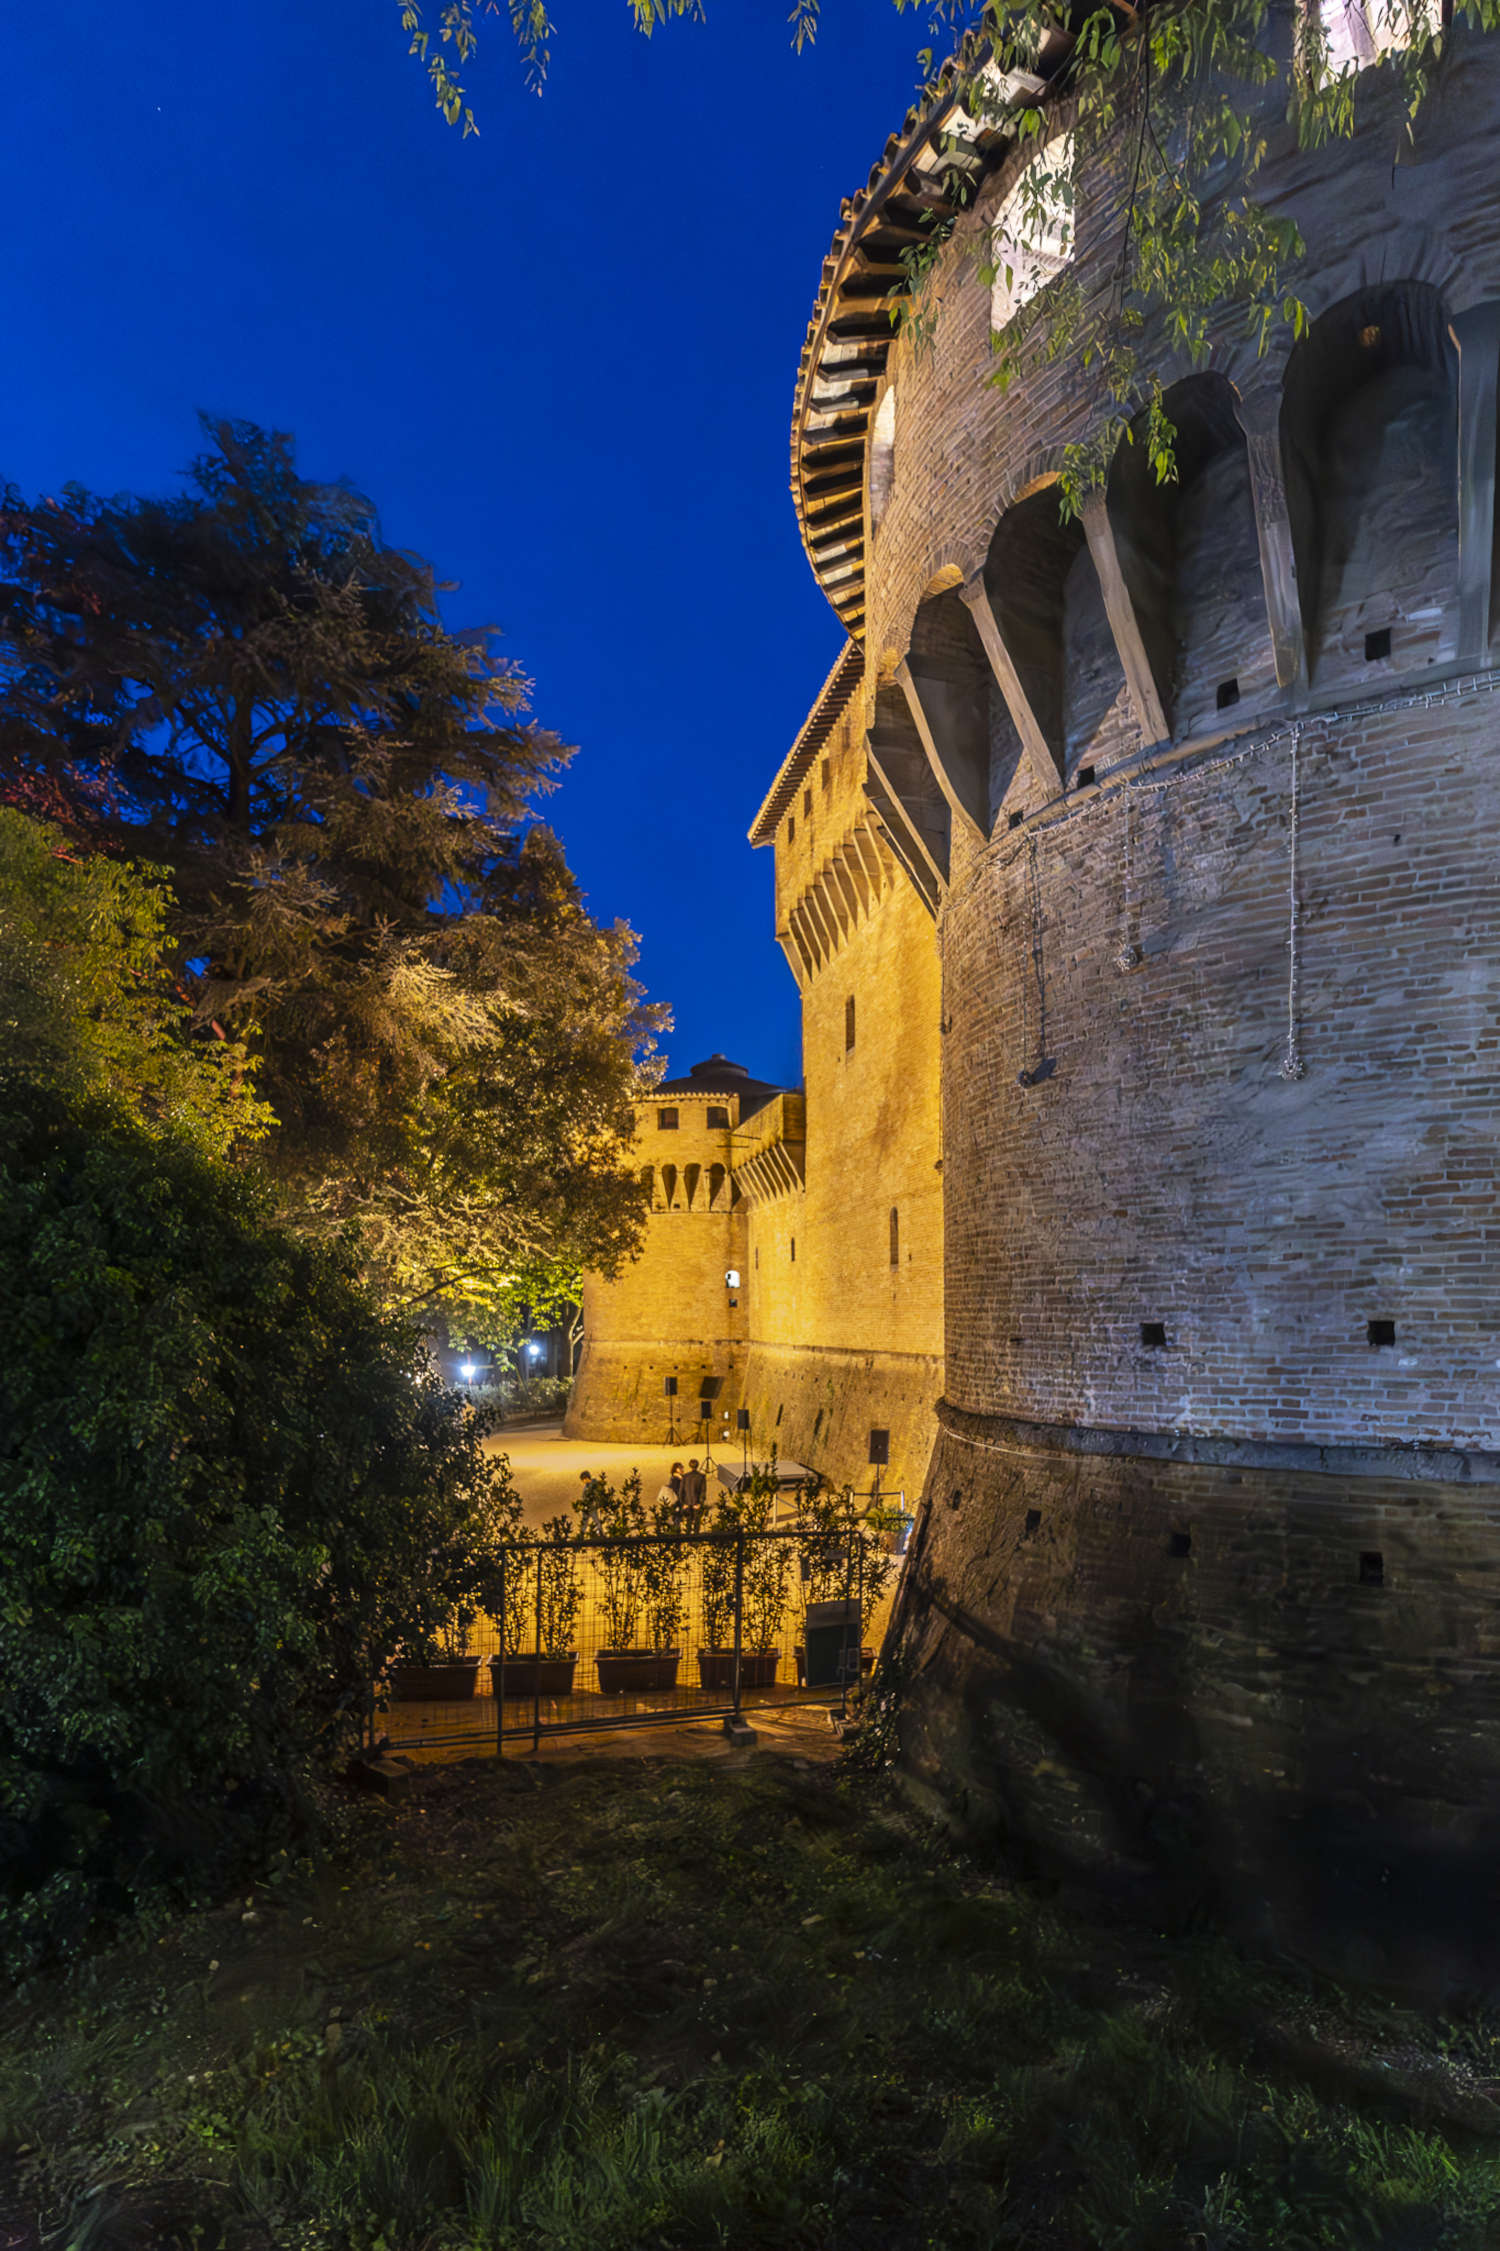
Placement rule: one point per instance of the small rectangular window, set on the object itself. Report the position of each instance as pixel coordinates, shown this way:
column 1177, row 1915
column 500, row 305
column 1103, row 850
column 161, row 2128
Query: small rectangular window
column 666, row 1121
column 1379, row 1333
column 1372, row 1568
column 791, row 830
column 849, row 1023
column 1377, row 645
column 807, row 804
column 1017, row 817
column 794, row 1250
column 1154, row 1336
column 1033, row 1523
column 1180, row 1544
column 717, row 1116
column 828, row 773
column 1084, row 778
column 1226, row 694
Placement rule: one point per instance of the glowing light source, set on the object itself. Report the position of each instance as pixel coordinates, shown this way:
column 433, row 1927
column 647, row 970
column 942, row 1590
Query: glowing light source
column 468, row 1371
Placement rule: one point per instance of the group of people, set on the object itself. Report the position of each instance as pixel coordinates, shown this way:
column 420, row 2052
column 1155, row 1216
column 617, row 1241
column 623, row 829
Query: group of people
column 684, row 1497
column 681, row 1503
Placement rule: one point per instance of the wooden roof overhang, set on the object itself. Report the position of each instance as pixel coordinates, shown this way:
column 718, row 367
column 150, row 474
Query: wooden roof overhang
column 863, row 285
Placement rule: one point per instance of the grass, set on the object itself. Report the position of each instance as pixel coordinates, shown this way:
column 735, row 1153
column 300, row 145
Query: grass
column 738, row 2001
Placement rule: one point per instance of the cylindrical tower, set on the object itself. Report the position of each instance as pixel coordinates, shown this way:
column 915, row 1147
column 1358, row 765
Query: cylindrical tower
column 1201, row 790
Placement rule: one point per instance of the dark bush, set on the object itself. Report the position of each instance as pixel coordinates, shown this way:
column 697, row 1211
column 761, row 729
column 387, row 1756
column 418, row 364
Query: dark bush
column 229, row 1488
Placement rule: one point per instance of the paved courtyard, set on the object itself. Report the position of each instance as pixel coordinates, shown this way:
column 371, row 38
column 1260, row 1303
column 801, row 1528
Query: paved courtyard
column 548, row 1467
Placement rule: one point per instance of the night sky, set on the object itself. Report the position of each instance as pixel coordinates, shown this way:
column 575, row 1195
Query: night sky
column 559, row 358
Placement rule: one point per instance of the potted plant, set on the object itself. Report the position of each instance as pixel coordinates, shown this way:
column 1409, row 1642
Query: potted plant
column 845, row 1568
column 543, row 1592
column 766, row 1565
column 460, row 1579
column 641, row 1581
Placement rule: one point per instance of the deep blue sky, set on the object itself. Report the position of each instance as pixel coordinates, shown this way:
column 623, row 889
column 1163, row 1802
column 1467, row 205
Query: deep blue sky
column 559, row 357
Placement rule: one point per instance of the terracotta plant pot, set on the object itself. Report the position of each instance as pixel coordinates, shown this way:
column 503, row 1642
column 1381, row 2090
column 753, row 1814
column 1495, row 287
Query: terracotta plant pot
column 534, row 1676
column 757, row 1668
column 636, row 1669
column 450, row 1682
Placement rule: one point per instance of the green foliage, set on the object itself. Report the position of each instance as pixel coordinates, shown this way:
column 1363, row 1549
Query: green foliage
column 88, row 1004
column 229, row 1492
column 881, row 2041
column 250, row 685
column 1172, row 111
column 543, row 1589
column 622, row 1527
column 664, row 1564
column 766, row 1570
column 841, row 1546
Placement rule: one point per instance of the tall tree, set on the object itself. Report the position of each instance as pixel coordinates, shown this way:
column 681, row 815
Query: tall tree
column 248, row 685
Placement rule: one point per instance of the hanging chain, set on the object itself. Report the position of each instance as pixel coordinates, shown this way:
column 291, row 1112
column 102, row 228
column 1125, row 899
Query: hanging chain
column 1292, row 1066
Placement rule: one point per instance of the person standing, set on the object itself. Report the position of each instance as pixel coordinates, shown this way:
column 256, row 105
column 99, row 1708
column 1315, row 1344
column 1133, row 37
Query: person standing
column 694, row 1497
column 589, row 1526
column 669, row 1499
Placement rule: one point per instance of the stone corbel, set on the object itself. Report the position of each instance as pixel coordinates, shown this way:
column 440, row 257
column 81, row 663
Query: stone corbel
column 1260, row 419
column 1040, row 761
column 935, row 759
column 1140, row 681
column 1477, row 335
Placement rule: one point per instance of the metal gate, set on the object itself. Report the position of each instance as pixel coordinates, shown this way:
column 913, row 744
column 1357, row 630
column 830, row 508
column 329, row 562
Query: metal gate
column 646, row 1631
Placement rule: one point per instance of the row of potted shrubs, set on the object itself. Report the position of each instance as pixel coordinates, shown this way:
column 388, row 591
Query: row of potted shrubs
column 643, row 1600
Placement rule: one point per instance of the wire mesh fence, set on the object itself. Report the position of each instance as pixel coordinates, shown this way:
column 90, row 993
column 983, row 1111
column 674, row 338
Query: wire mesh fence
column 667, row 1627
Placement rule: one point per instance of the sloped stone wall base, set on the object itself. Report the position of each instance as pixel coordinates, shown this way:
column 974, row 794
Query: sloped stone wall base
column 1176, row 1678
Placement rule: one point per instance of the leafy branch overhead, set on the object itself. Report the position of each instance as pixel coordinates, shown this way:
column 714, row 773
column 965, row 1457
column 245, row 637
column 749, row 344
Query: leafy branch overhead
column 1162, row 117
column 1168, row 110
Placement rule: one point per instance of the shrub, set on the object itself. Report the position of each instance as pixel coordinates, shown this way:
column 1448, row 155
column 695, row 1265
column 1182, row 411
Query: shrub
column 767, row 1566
column 622, row 1518
column 229, row 1491
column 544, row 1591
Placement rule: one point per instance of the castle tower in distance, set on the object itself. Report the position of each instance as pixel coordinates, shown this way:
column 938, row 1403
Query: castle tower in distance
column 1151, row 856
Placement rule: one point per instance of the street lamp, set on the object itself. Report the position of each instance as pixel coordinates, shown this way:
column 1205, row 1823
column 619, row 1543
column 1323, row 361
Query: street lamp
column 468, row 1371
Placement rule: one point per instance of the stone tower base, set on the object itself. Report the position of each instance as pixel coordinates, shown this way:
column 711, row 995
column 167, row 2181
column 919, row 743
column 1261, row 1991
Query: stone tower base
column 1261, row 1678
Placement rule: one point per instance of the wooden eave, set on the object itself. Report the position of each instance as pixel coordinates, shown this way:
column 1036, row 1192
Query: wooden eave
column 853, row 322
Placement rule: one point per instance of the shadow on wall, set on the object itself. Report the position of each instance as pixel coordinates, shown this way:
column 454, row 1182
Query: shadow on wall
column 1124, row 1791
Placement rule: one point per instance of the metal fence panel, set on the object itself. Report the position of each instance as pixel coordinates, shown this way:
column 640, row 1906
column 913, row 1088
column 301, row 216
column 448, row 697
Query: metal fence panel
column 593, row 1634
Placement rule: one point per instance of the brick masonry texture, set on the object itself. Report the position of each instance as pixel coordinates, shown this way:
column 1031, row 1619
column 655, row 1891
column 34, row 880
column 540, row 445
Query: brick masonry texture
column 1237, row 1676
column 836, row 1341
column 669, row 1312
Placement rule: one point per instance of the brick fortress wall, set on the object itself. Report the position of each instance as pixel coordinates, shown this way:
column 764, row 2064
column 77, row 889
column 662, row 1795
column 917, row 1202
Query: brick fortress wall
column 670, row 1312
column 846, row 1336
column 1204, row 1586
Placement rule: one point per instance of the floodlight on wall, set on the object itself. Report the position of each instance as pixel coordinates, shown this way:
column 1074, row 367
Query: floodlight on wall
column 732, row 1278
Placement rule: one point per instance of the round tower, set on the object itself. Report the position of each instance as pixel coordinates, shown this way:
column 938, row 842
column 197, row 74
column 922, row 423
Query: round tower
column 1202, row 791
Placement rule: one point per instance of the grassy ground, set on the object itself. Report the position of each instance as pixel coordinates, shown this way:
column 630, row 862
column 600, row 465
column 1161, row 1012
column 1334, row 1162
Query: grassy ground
column 739, row 2000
